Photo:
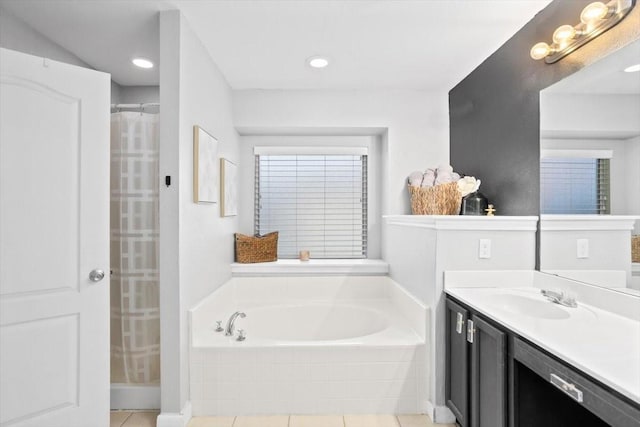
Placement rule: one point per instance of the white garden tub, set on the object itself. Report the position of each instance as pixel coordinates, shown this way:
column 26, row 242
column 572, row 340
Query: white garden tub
column 311, row 322
column 313, row 345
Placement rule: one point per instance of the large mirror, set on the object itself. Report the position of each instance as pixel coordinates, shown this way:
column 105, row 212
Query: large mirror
column 590, row 173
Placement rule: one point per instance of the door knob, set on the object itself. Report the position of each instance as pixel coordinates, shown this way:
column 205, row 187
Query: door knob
column 96, row 275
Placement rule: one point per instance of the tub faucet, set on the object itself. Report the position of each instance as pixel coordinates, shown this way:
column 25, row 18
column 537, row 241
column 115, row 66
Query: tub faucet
column 560, row 298
column 228, row 331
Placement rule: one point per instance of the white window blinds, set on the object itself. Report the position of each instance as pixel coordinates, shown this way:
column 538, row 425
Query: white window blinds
column 572, row 185
column 316, row 198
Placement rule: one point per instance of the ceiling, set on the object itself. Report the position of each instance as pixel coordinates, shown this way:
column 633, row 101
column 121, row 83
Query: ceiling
column 263, row 44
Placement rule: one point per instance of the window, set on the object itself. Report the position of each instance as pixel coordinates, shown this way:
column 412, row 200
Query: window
column 574, row 185
column 316, row 198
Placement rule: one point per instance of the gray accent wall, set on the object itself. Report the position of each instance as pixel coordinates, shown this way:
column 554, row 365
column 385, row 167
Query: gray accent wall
column 495, row 114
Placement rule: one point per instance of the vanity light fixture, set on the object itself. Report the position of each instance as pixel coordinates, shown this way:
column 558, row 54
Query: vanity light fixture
column 317, row 62
column 595, row 19
column 142, row 63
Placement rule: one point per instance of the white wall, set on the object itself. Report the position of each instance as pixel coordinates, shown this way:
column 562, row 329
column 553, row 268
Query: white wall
column 172, row 354
column 138, row 94
column 419, row 250
column 414, row 126
column 115, row 92
column 608, row 250
column 197, row 244
column 411, row 254
column 603, row 116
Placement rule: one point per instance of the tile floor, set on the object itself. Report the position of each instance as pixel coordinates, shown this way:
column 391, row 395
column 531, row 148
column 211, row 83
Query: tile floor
column 133, row 419
column 148, row 419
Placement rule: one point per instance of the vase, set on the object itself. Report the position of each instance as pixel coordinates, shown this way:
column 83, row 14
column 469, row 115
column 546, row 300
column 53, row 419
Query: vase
column 474, row 204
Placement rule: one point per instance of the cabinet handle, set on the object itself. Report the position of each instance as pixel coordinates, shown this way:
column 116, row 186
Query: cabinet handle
column 459, row 322
column 566, row 387
column 470, row 331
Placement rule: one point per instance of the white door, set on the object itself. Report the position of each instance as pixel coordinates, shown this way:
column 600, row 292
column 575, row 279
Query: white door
column 54, row 230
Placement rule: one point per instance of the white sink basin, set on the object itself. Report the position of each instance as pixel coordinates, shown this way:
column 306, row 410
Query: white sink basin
column 526, row 306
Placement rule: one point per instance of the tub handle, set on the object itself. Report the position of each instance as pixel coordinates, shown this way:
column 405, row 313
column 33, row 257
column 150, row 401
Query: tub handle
column 241, row 336
column 219, row 326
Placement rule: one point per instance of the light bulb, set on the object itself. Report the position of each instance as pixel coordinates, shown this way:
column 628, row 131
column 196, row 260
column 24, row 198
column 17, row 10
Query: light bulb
column 632, row 69
column 563, row 34
column 540, row 50
column 142, row 63
column 317, row 62
column 593, row 12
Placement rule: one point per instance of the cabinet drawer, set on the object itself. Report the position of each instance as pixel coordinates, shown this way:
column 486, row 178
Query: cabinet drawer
column 592, row 396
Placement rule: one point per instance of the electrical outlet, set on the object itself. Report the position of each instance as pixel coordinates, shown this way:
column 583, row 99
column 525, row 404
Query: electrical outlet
column 484, row 249
column 582, row 248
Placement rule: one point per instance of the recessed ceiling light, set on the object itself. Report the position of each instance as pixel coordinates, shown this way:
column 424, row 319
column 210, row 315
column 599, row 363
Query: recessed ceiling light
column 318, row 62
column 632, row 69
column 142, row 63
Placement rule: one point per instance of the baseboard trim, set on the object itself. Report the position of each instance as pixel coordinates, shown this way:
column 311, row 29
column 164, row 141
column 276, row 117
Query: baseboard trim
column 440, row 414
column 172, row 419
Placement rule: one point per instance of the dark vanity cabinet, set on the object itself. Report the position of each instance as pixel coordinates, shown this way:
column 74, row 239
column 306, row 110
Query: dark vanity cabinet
column 495, row 378
column 542, row 381
column 476, row 369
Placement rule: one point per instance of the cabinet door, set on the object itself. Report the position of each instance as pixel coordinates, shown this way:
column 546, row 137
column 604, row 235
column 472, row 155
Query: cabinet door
column 457, row 382
column 488, row 379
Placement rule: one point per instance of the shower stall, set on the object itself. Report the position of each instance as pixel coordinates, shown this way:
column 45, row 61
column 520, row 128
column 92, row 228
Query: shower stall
column 134, row 233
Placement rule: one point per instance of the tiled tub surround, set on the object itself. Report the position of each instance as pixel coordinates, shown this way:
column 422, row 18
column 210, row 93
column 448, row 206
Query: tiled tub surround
column 315, row 345
column 601, row 337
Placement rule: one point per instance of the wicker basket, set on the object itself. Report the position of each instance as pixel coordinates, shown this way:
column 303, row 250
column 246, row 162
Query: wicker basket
column 635, row 248
column 443, row 199
column 250, row 249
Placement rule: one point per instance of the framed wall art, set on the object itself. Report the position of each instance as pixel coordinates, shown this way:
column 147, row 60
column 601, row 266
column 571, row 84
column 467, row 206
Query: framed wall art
column 205, row 167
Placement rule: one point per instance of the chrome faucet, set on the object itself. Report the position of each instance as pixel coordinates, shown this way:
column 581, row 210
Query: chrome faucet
column 560, row 298
column 228, row 331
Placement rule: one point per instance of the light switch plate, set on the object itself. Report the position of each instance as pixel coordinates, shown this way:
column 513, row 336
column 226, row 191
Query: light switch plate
column 582, row 248
column 484, row 249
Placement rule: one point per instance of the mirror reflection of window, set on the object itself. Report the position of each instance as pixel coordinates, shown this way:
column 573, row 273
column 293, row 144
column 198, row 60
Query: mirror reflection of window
column 574, row 185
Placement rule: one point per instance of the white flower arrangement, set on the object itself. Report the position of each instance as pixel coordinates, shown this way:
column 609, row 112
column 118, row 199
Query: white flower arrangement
column 468, row 185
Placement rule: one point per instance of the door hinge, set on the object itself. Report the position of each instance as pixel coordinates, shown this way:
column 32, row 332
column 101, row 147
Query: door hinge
column 470, row 331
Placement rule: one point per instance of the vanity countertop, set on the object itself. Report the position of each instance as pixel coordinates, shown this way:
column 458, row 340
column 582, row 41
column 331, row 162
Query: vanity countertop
column 600, row 343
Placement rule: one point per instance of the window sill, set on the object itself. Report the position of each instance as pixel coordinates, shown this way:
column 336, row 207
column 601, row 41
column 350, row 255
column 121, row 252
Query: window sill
column 313, row 267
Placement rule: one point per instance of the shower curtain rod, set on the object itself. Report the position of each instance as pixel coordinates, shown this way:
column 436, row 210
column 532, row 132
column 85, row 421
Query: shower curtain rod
column 141, row 106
